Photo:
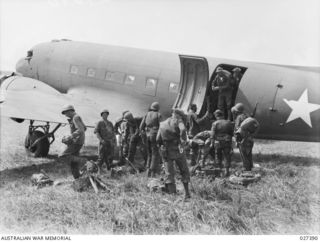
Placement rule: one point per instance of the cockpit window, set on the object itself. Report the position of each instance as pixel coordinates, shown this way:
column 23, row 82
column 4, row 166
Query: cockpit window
column 29, row 54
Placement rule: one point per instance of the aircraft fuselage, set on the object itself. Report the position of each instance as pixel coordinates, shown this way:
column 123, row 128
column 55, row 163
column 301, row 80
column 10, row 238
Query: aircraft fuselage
column 287, row 99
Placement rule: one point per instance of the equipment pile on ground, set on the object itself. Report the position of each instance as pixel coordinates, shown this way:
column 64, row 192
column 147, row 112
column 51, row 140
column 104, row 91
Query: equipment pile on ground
column 215, row 172
column 120, row 171
column 89, row 177
column 244, row 178
column 156, row 185
column 41, row 180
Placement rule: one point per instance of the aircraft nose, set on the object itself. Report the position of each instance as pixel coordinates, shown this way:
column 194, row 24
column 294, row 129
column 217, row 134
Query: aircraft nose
column 22, row 66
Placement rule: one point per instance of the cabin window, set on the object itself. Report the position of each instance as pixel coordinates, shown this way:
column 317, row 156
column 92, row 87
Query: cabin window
column 129, row 80
column 109, row 76
column 91, row 72
column 114, row 76
column 74, row 69
column 173, row 87
column 151, row 83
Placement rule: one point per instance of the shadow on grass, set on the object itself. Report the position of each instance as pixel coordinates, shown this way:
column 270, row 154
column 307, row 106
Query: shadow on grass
column 277, row 159
column 54, row 168
column 286, row 159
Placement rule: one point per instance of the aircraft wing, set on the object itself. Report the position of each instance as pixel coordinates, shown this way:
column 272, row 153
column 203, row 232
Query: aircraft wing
column 26, row 98
column 112, row 100
column 30, row 99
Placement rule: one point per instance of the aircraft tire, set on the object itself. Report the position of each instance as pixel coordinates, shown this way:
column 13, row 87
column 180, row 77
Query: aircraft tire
column 41, row 149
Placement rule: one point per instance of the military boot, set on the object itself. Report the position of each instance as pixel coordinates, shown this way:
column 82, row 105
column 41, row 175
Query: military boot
column 148, row 172
column 230, row 114
column 193, row 156
column 186, row 189
column 152, row 174
column 75, row 169
column 227, row 172
column 201, row 162
column 171, row 188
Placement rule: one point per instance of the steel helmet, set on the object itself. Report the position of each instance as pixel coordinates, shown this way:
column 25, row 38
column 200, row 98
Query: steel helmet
column 239, row 107
column 218, row 113
column 193, row 107
column 155, row 106
column 104, row 111
column 237, row 69
column 219, row 69
column 128, row 116
column 179, row 112
column 66, row 108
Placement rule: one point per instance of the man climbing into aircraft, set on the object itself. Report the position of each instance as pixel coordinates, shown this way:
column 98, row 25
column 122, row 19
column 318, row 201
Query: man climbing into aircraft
column 245, row 128
column 172, row 138
column 221, row 140
column 193, row 125
column 74, row 141
column 105, row 133
column 224, row 86
column 150, row 125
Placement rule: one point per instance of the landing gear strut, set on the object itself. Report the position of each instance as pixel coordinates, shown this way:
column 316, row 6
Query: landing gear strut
column 37, row 142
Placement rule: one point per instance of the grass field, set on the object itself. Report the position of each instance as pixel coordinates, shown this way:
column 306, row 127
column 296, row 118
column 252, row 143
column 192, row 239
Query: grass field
column 285, row 201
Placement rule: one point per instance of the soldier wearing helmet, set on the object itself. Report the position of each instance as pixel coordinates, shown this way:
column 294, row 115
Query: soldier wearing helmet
column 223, row 85
column 221, row 140
column 194, row 125
column 172, row 138
column 74, row 141
column 130, row 135
column 245, row 128
column 238, row 115
column 105, row 133
column 150, row 125
column 236, row 75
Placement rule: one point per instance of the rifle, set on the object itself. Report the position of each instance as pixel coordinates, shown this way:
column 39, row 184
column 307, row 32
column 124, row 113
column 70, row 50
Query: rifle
column 254, row 110
column 121, row 156
column 131, row 164
column 243, row 158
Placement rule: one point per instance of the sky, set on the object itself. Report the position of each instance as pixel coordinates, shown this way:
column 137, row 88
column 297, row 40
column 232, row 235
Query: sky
column 269, row 31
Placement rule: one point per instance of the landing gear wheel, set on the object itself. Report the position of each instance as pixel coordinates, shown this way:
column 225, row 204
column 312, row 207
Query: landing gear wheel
column 41, row 149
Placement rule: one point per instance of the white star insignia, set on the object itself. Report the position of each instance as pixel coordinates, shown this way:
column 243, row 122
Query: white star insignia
column 301, row 108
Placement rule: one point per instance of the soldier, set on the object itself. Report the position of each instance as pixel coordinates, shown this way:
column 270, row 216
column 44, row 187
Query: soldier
column 172, row 138
column 238, row 115
column 223, row 84
column 221, row 140
column 74, row 141
column 236, row 78
column 202, row 140
column 236, row 75
column 194, row 127
column 245, row 129
column 131, row 136
column 105, row 133
column 150, row 125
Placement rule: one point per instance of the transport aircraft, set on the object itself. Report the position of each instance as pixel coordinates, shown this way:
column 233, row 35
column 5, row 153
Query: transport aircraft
column 284, row 99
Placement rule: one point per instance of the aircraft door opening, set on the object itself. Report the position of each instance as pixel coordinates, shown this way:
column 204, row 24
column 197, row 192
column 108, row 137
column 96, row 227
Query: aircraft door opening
column 193, row 82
